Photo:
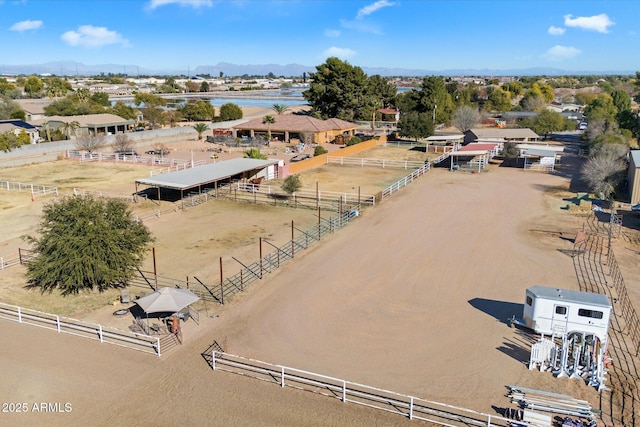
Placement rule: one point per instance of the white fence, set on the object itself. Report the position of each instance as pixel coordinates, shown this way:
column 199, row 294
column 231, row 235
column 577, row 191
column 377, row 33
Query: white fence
column 387, row 192
column 32, row 188
column 8, row 262
column 347, row 198
column 347, row 391
column 380, row 163
column 80, row 328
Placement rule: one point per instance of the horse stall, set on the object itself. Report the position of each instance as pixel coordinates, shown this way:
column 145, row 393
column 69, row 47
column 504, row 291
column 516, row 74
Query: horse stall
column 552, row 310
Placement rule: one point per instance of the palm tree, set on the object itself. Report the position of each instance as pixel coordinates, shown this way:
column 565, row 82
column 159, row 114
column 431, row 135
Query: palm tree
column 254, row 153
column 268, row 120
column 200, row 128
column 280, row 108
column 68, row 127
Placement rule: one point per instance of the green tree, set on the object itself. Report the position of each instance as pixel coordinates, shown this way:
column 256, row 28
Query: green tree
column 230, row 111
column 268, row 120
column 510, row 150
column 432, row 99
column 8, row 89
column 86, row 244
column 9, row 141
column 601, row 107
column 514, row 87
column 415, row 125
column 151, row 110
column 125, row 111
column 33, row 85
column 8, row 108
column 546, row 122
column 201, row 128
column 621, row 100
column 198, row 111
column 254, row 153
column 380, row 88
column 279, row 108
column 204, row 86
column 56, row 87
column 83, row 95
column 101, row 98
column 499, row 100
column 292, row 184
column 465, row 118
column 338, row 90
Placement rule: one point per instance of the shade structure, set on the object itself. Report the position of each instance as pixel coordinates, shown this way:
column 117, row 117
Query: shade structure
column 167, row 299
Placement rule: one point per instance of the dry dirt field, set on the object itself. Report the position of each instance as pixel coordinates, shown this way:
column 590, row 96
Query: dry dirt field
column 413, row 297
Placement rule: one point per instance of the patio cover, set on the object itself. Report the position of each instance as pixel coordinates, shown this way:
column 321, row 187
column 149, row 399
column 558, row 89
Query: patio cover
column 205, row 174
column 167, row 299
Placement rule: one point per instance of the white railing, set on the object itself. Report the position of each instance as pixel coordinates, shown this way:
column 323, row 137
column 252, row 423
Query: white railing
column 178, row 166
column 387, row 192
column 32, row 188
column 80, row 328
column 172, row 164
column 378, row 163
column 8, row 262
column 360, row 394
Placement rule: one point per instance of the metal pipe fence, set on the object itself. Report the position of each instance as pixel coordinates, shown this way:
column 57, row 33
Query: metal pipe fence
column 380, row 163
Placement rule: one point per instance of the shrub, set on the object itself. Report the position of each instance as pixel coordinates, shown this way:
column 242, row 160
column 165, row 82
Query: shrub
column 353, row 141
column 319, row 150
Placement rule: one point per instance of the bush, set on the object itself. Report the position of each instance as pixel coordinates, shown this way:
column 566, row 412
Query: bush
column 353, row 141
column 319, row 150
column 292, row 184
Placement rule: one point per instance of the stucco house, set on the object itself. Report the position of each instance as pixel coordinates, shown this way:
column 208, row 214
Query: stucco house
column 500, row 135
column 90, row 124
column 18, row 126
column 292, row 126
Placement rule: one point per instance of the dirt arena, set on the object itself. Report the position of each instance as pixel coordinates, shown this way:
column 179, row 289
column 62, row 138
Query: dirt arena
column 414, row 297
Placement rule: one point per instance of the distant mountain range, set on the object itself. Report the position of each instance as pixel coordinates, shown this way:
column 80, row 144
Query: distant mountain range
column 71, row 68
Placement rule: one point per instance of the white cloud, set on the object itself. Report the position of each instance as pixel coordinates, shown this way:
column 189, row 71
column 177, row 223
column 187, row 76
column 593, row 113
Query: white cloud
column 599, row 23
column 339, row 52
column 558, row 53
column 90, row 36
column 368, row 10
column 26, row 25
column 329, row 32
column 556, row 31
column 360, row 26
column 153, row 4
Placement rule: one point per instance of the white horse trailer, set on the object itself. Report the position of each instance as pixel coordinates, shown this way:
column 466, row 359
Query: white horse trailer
column 559, row 311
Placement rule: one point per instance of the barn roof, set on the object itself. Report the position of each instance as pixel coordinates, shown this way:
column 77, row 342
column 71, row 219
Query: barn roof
column 205, row 174
column 518, row 133
column 478, row 147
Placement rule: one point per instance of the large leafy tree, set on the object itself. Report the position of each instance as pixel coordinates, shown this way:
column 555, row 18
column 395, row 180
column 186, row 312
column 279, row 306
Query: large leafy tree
column 9, row 141
column 415, row 125
column 33, row 85
column 198, row 111
column 86, row 244
column 56, row 87
column 601, row 107
column 151, row 107
column 125, row 111
column 432, row 98
column 230, row 111
column 8, row 89
column 546, row 122
column 499, row 100
column 339, row 90
column 9, row 109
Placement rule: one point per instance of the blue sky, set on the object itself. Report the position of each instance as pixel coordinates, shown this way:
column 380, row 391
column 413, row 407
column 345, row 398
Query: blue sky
column 415, row 34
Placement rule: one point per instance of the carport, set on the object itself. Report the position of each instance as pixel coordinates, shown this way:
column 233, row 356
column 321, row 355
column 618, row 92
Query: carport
column 205, row 175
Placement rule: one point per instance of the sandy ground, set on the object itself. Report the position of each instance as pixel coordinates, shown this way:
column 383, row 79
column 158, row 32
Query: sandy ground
column 413, row 297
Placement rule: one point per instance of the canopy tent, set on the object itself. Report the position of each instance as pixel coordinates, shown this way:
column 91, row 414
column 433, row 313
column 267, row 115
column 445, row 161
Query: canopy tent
column 167, row 300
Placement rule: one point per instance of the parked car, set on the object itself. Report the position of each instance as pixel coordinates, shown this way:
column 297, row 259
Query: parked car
column 301, row 157
column 635, row 208
column 157, row 152
column 128, row 153
column 582, row 126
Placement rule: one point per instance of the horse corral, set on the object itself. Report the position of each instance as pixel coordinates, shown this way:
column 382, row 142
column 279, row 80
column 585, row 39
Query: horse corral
column 390, row 302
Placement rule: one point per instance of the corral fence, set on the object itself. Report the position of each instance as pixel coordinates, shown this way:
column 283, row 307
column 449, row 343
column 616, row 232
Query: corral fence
column 129, row 198
column 398, row 185
column 627, row 311
column 80, row 328
column 31, row 188
column 168, row 165
column 24, row 255
column 359, row 394
column 379, row 163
